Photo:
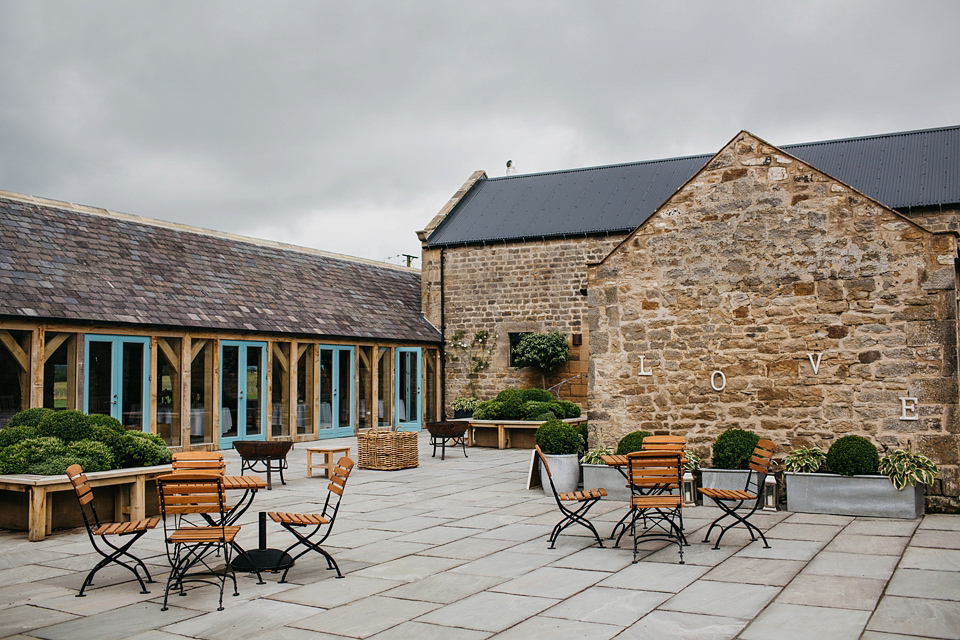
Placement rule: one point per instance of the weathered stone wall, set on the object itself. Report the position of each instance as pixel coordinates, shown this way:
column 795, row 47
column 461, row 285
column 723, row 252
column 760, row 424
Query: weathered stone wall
column 936, row 219
column 820, row 307
column 512, row 288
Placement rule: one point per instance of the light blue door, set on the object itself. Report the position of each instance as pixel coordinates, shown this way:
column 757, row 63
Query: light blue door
column 335, row 389
column 408, row 398
column 116, row 374
column 243, row 382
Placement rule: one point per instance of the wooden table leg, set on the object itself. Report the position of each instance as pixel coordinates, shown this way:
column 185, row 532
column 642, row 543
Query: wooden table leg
column 501, row 437
column 37, row 514
column 309, row 463
column 138, row 498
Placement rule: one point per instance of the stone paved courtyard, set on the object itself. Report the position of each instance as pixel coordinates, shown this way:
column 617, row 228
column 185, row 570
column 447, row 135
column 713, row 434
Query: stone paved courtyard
column 457, row 549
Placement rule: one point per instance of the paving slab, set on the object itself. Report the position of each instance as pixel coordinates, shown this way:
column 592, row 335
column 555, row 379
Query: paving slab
column 833, row 591
column 920, row 583
column 871, row 545
column 928, row 618
column 333, row 593
column 364, row 618
column 683, row 626
column 551, row 582
column 252, row 620
column 655, row 576
column 936, row 538
column 116, row 624
column 722, row 599
column 608, row 605
column 25, row 617
column 488, row 611
column 743, row 569
column 934, row 559
column 852, row 565
column 444, row 588
column 797, row 622
column 541, row 628
column 424, row 631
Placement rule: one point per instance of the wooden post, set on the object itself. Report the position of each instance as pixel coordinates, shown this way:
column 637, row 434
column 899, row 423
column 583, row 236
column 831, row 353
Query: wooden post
column 186, row 366
column 36, row 367
column 37, row 514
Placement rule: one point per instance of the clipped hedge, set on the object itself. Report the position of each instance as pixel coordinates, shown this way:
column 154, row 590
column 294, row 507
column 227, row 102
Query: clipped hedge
column 70, row 425
column 631, row 442
column 29, row 417
column 18, row 458
column 555, row 437
column 12, row 435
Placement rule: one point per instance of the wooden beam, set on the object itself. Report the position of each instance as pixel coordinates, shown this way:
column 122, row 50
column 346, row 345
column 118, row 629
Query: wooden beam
column 16, row 350
column 53, row 344
column 168, row 351
column 37, row 344
column 197, row 348
column 282, row 359
column 301, row 349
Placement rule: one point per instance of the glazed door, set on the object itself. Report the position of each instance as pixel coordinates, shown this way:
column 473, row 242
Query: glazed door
column 408, row 395
column 243, row 403
column 117, row 379
column 335, row 389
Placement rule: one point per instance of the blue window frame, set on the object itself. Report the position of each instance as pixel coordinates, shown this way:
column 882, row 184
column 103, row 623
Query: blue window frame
column 335, row 390
column 116, row 379
column 408, row 395
column 243, row 398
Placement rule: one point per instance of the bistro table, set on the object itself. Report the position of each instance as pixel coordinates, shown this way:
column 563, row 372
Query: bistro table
column 622, row 464
column 261, row 558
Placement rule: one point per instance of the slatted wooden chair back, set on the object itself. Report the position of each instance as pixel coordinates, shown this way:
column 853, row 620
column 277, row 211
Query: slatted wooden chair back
column 186, row 493
column 655, row 472
column 546, row 467
column 204, row 461
column 759, row 465
column 85, row 494
column 338, row 482
column 666, row 443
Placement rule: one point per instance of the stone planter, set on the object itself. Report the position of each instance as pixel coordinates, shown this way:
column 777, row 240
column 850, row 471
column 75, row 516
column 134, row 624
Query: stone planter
column 602, row 476
column 873, row 496
column 724, row 479
column 565, row 470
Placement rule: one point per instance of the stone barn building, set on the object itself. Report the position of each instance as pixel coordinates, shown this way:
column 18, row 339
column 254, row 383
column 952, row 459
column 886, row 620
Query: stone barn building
column 806, row 291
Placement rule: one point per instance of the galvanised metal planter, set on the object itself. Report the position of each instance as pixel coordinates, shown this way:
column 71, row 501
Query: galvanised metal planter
column 873, row 496
column 724, row 479
column 565, row 470
column 602, row 476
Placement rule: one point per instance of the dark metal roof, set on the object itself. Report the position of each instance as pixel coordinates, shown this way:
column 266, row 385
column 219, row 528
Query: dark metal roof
column 902, row 170
column 63, row 263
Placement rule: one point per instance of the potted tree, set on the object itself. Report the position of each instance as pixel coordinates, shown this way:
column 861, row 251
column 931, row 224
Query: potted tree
column 731, row 460
column 561, row 445
column 546, row 352
column 851, row 479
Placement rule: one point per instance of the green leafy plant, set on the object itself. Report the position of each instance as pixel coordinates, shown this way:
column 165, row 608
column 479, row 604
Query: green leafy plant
column 12, row 435
column 138, row 449
column 465, row 404
column 908, row 468
column 804, row 460
column 99, row 419
column 631, row 442
column 593, row 456
column 693, row 462
column 29, row 417
column 733, row 448
column 853, row 456
column 532, row 410
column 570, row 409
column 489, row 410
column 69, row 425
column 97, row 456
column 555, row 437
column 545, row 352
column 17, row 458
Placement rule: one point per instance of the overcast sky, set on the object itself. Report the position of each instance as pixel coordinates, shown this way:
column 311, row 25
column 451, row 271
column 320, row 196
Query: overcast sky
column 346, row 126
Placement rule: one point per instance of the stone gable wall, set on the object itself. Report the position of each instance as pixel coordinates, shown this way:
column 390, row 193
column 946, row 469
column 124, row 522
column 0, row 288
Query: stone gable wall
column 754, row 265
column 516, row 287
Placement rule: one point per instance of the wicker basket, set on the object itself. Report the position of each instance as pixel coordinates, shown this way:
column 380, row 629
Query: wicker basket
column 387, row 450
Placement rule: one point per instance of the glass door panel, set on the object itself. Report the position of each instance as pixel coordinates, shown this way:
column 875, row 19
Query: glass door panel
column 116, row 375
column 336, row 392
column 242, row 402
column 408, row 389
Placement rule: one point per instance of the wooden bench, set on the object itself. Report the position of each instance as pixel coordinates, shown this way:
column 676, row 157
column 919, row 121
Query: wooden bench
column 330, row 453
column 272, row 455
column 507, row 428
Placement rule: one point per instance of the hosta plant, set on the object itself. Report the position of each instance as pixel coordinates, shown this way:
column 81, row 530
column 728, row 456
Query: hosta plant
column 594, row 456
column 692, row 463
column 908, row 468
column 804, row 460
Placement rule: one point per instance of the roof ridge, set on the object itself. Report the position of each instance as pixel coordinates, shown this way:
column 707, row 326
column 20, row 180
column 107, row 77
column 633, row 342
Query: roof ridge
column 875, row 136
column 177, row 226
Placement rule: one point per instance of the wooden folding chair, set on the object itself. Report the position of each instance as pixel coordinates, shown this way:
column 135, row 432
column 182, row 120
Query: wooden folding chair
column 585, row 499
column 97, row 530
column 295, row 522
column 732, row 500
column 199, row 461
column 655, row 481
column 189, row 545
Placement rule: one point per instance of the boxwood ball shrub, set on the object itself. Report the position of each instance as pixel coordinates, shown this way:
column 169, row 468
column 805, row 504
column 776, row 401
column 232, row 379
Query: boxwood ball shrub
column 853, row 456
column 29, row 417
column 733, row 449
column 489, row 410
column 555, row 437
column 96, row 456
column 570, row 409
column 101, row 420
column 631, row 442
column 69, row 425
column 510, row 400
column 531, row 410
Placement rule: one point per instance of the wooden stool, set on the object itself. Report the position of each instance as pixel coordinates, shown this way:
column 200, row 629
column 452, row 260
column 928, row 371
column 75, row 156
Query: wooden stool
column 329, row 451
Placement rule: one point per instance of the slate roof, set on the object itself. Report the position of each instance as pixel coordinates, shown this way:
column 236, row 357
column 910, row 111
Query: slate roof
column 63, row 262
column 902, row 170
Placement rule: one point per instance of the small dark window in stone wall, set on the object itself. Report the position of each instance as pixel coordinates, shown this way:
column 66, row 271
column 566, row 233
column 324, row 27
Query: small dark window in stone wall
column 514, row 341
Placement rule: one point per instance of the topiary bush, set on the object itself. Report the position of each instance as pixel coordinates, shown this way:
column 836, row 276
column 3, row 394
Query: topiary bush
column 530, row 410
column 631, row 442
column 511, row 400
column 853, row 456
column 489, row 410
column 12, row 435
column 69, row 426
column 17, row 458
column 139, row 449
column 29, row 417
column 537, row 395
column 555, row 437
column 570, row 409
column 102, row 420
column 546, row 352
column 96, row 456
column 733, row 449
